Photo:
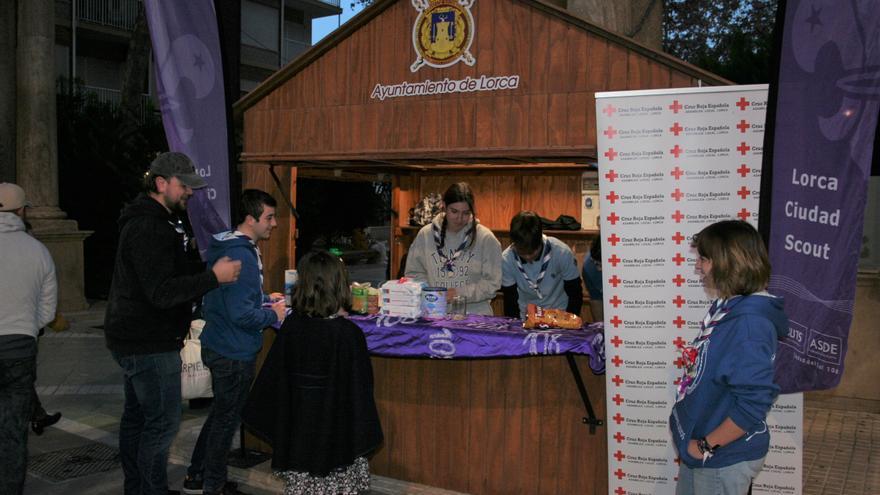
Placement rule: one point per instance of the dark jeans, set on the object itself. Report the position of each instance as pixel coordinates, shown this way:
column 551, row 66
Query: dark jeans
column 231, row 381
column 16, row 402
column 150, row 419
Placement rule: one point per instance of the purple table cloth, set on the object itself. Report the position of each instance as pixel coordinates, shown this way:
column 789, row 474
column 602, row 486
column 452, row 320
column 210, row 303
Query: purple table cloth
column 477, row 337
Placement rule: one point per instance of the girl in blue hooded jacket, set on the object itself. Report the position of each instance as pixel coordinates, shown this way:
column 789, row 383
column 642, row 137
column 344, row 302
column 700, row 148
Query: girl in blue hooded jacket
column 719, row 418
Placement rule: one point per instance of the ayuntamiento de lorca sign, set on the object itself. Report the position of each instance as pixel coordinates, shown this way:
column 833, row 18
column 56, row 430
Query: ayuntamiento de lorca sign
column 442, row 35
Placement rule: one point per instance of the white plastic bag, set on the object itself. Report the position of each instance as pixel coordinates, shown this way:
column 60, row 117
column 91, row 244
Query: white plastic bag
column 195, row 377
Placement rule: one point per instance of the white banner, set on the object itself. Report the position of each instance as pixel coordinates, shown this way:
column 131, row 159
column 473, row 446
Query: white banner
column 670, row 163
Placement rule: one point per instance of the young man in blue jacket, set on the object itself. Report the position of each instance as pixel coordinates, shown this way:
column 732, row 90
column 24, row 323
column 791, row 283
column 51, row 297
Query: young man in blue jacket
column 234, row 321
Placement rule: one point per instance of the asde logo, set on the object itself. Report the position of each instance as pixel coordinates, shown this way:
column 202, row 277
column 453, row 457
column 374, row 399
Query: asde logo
column 826, row 348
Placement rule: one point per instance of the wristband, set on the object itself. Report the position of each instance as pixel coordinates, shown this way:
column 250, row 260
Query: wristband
column 706, row 449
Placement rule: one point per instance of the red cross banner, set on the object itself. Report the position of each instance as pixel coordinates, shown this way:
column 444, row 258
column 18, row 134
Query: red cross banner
column 672, row 162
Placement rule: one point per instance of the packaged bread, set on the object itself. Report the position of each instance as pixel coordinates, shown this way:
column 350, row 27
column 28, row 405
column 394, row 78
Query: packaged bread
column 538, row 317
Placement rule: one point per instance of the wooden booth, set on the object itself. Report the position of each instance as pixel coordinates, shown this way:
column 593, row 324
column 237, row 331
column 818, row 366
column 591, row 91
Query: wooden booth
column 501, row 96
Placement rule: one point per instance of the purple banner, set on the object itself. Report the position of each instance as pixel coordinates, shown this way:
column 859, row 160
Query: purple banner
column 189, row 79
column 826, row 115
column 477, row 337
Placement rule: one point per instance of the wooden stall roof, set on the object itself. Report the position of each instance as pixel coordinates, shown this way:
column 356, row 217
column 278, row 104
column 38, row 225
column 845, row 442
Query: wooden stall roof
column 317, row 112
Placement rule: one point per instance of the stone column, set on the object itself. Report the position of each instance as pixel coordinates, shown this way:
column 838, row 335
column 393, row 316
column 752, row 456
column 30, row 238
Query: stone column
column 7, row 94
column 37, row 149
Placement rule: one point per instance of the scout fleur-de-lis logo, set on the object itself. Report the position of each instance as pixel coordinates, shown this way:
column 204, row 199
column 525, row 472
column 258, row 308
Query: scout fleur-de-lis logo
column 443, row 33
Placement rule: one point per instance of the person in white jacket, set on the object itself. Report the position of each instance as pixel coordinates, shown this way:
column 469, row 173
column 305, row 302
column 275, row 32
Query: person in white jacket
column 455, row 252
column 28, row 299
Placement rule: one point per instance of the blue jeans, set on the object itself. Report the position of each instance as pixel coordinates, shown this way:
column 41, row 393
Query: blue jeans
column 16, row 403
column 150, row 419
column 231, row 380
column 729, row 480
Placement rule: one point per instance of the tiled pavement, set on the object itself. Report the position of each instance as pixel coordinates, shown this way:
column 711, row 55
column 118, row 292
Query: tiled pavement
column 77, row 376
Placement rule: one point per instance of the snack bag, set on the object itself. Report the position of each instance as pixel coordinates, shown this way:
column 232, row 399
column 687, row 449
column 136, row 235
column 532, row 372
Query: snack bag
column 359, row 303
column 538, row 317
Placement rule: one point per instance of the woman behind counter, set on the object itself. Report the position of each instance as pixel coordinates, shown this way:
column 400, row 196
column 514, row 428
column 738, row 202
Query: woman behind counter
column 456, row 252
column 719, row 419
column 313, row 399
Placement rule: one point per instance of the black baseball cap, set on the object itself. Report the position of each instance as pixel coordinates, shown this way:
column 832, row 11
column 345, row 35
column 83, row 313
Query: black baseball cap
column 175, row 164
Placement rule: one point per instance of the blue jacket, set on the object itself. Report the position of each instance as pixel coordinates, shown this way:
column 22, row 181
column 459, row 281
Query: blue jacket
column 734, row 378
column 234, row 313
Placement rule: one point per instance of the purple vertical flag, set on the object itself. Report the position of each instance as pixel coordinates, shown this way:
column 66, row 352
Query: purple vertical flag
column 825, row 119
column 189, row 77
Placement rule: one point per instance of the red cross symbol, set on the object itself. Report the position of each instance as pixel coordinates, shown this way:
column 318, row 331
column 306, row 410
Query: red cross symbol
column 617, row 380
column 613, row 218
column 675, row 107
column 742, row 126
column 743, row 192
column 677, row 380
column 619, row 491
column 614, row 281
column 618, row 418
column 611, row 176
column 619, row 473
column 679, row 342
column 613, row 239
column 619, row 456
column 615, row 301
column 610, row 132
column 679, row 321
column 610, row 154
column 742, row 148
column 614, row 260
column 678, row 238
column 678, row 259
column 743, row 170
column 677, row 150
column 675, row 129
column 743, row 214
column 616, row 321
column 677, row 461
column 616, row 340
column 677, row 194
column 612, row 197
column 619, row 437
column 678, row 280
column 617, row 361
column 679, row 363
column 742, row 103
column 609, row 110
column 617, row 399
column 677, row 216
column 678, row 301
column 676, row 172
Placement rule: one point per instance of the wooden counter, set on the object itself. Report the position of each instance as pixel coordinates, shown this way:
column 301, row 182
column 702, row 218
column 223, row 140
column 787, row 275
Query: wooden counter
column 490, row 426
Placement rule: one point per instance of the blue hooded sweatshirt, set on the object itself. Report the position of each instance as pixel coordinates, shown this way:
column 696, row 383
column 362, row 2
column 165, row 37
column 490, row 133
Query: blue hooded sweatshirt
column 234, row 313
column 734, row 379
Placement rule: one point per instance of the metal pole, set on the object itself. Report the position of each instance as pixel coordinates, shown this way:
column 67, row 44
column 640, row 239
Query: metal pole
column 73, row 14
column 280, row 33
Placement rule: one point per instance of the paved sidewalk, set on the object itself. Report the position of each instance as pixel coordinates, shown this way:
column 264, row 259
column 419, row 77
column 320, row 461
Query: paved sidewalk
column 77, row 376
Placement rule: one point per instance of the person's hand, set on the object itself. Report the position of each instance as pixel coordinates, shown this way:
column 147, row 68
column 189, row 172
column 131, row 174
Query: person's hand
column 226, row 270
column 694, row 450
column 280, row 309
column 275, row 296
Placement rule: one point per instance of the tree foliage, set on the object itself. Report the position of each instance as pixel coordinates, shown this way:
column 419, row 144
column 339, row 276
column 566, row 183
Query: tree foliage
column 733, row 38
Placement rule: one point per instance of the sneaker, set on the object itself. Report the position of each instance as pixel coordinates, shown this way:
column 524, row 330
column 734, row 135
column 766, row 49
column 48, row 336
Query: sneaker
column 193, row 486
column 230, row 488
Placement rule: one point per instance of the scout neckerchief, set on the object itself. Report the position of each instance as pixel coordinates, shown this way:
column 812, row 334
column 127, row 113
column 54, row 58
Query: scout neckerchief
column 545, row 262
column 449, row 261
column 718, row 310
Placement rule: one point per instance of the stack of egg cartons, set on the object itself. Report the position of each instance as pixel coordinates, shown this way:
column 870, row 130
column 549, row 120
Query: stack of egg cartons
column 402, row 298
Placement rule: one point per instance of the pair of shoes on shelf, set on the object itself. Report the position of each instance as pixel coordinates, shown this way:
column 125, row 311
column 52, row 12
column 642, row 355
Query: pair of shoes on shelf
column 195, row 486
column 40, row 424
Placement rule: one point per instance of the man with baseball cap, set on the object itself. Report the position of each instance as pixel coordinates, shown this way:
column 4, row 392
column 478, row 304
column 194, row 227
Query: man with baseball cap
column 28, row 297
column 149, row 310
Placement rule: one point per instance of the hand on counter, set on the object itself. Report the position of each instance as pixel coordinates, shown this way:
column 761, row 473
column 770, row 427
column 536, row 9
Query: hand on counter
column 275, row 296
